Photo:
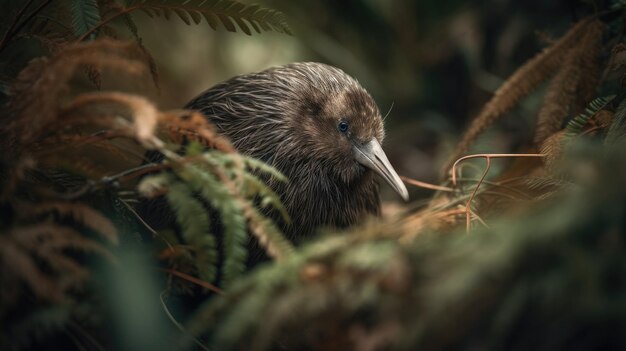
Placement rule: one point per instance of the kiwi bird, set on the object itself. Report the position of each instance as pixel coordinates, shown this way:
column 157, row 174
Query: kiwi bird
column 320, row 128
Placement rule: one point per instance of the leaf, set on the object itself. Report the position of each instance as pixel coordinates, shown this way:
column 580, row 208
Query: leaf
column 578, row 123
column 228, row 24
column 183, row 16
column 83, row 214
column 226, row 12
column 211, row 20
column 85, row 15
column 195, row 227
column 197, row 18
column 235, row 236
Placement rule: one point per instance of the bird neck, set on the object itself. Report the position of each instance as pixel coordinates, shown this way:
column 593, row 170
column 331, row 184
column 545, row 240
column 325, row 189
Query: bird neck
column 314, row 197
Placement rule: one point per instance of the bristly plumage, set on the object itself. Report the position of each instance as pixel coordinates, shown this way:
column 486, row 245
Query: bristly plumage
column 288, row 116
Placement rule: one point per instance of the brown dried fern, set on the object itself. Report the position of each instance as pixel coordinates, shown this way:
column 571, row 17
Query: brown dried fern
column 81, row 213
column 591, row 68
column 522, row 82
column 559, row 98
column 143, row 113
column 49, row 243
column 193, row 126
column 40, row 88
column 575, row 77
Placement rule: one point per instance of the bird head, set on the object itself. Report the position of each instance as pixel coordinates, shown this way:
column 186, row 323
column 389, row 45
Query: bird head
column 342, row 128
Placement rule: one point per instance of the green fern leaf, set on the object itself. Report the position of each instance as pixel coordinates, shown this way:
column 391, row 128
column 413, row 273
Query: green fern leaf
column 228, row 24
column 235, row 236
column 85, row 15
column 196, row 17
column 251, row 187
column 183, row 16
column 194, row 222
column 269, row 235
column 148, row 12
column 231, row 14
column 211, row 20
column 132, row 27
column 576, row 124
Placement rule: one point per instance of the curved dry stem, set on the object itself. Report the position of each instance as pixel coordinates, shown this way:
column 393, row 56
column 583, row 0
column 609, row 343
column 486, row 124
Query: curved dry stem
column 455, row 165
column 426, row 185
column 488, row 157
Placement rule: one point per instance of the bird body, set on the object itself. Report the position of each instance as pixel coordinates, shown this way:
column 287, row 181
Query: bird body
column 316, row 125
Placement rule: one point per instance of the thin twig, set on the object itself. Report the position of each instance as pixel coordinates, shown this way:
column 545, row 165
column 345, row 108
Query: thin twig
column 468, row 210
column 479, row 219
column 487, row 156
column 146, row 225
column 122, row 177
column 426, row 185
column 194, row 280
column 134, row 173
column 176, row 323
column 500, row 184
column 106, row 21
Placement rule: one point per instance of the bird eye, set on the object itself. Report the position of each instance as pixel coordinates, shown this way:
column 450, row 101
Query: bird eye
column 343, row 126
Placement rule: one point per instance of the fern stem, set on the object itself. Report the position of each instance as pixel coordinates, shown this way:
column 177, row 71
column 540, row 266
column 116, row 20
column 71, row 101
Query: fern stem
column 194, row 280
column 106, row 21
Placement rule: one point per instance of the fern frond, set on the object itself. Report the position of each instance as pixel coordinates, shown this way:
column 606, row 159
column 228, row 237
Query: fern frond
column 226, row 12
column 141, row 111
column 235, row 236
column 47, row 239
column 47, row 243
column 82, row 214
column 576, row 125
column 154, row 185
column 251, row 187
column 195, row 227
column 552, row 148
column 269, row 236
column 184, row 126
column 85, row 15
column 254, row 187
column 264, row 168
column 26, row 270
column 36, row 93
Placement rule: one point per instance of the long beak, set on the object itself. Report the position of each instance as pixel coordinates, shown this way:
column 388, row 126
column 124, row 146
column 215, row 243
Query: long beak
column 372, row 156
